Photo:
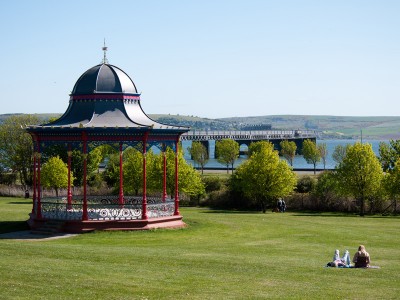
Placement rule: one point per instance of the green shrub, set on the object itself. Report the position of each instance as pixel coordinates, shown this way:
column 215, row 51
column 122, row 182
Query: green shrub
column 305, row 184
column 212, row 183
column 8, row 178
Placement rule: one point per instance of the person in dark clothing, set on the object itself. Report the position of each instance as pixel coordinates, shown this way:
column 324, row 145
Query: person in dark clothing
column 283, row 206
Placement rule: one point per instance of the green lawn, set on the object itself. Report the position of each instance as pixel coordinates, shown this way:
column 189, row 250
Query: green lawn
column 220, row 255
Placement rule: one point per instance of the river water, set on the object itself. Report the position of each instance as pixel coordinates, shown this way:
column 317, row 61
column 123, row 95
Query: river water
column 298, row 163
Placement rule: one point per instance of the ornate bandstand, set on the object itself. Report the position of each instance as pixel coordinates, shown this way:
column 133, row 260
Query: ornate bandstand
column 105, row 108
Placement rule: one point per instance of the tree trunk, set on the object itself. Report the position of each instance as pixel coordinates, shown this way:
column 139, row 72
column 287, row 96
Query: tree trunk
column 362, row 212
column 263, row 207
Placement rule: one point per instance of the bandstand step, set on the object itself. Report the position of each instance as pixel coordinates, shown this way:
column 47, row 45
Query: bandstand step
column 49, row 227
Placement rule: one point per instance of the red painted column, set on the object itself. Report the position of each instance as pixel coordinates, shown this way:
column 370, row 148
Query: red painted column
column 176, row 212
column 164, row 177
column 144, row 200
column 34, row 182
column 121, row 177
column 39, row 202
column 84, row 207
column 69, row 193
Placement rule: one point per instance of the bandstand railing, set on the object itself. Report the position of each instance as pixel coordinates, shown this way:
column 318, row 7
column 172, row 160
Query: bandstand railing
column 105, row 208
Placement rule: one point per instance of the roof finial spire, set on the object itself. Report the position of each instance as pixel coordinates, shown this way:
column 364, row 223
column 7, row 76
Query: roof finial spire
column 105, row 60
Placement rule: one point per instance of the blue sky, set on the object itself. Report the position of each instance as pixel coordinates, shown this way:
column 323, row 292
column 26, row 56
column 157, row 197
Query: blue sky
column 208, row 58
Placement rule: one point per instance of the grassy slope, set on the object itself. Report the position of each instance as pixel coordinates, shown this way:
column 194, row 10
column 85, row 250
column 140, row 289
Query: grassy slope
column 221, row 255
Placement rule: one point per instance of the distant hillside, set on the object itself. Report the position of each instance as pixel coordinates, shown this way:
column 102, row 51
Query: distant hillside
column 43, row 117
column 329, row 126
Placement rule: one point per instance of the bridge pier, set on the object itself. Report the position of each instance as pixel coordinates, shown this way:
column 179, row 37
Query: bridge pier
column 243, row 142
column 207, row 145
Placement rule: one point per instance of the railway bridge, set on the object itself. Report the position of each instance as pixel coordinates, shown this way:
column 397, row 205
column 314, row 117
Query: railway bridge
column 247, row 137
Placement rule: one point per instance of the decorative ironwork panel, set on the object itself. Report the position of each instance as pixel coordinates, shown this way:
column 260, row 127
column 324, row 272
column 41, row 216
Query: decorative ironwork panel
column 137, row 145
column 94, row 144
column 134, row 200
column 106, row 208
column 59, row 209
column 156, row 144
column 163, row 209
column 49, row 144
column 162, row 146
column 114, row 212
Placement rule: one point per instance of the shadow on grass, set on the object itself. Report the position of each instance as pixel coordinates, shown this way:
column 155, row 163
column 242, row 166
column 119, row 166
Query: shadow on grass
column 12, row 226
column 19, row 230
column 24, row 202
column 226, row 211
column 336, row 215
column 302, row 213
column 324, row 215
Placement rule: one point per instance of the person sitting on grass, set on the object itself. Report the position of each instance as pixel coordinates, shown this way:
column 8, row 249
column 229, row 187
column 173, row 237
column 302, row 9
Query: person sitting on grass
column 361, row 258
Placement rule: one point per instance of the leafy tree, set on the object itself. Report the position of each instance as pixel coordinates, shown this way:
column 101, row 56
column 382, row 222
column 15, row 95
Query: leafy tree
column 389, row 154
column 227, row 151
column 288, row 150
column 264, row 177
column 323, row 152
column 16, row 149
column 111, row 173
column 360, row 173
column 339, row 153
column 8, row 178
column 54, row 174
column 189, row 179
column 133, row 170
column 311, row 153
column 155, row 172
column 305, row 184
column 53, row 119
column 94, row 159
column 255, row 147
column 326, row 188
column 199, row 154
column 212, row 183
column 391, row 183
column 106, row 150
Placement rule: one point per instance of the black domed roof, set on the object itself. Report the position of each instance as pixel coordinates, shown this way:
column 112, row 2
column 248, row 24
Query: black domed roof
column 104, row 78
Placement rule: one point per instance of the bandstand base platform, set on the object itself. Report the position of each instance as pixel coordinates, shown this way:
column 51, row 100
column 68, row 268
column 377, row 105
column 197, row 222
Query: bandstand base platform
column 78, row 226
